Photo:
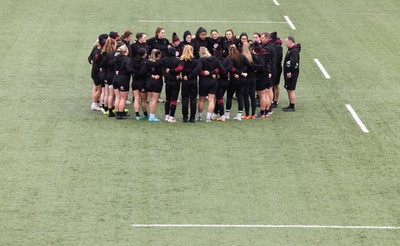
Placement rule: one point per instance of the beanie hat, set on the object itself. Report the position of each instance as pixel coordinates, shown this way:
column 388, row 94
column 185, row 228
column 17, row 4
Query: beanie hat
column 171, row 51
column 273, row 35
column 175, row 38
column 114, row 35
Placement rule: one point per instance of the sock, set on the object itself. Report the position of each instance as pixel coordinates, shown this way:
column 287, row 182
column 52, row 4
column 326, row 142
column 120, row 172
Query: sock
column 137, row 114
column 200, row 114
column 145, row 114
column 152, row 116
column 105, row 108
column 102, row 105
column 240, row 113
column 222, row 117
column 262, row 112
column 208, row 115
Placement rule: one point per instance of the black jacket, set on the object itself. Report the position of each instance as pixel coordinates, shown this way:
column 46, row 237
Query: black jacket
column 140, row 68
column 95, row 58
column 109, row 65
column 270, row 56
column 212, row 44
column 136, row 46
column 210, row 64
column 160, row 44
column 123, row 65
column 292, row 60
column 197, row 44
column 279, row 56
column 239, row 67
column 128, row 45
column 225, row 45
column 188, row 68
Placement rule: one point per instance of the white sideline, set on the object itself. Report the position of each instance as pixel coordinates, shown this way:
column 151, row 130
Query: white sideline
column 356, row 118
column 268, row 226
column 322, row 69
column 210, row 21
column 276, row 2
column 290, row 22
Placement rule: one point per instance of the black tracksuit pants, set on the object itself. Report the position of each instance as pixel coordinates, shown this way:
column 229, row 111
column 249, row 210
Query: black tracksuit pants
column 238, row 86
column 189, row 95
column 171, row 97
column 250, row 91
column 221, row 89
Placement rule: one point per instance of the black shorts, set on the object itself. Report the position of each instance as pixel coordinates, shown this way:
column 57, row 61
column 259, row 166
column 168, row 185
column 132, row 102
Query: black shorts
column 208, row 88
column 96, row 77
column 121, row 83
column 154, row 85
column 277, row 78
column 261, row 85
column 139, row 85
column 290, row 84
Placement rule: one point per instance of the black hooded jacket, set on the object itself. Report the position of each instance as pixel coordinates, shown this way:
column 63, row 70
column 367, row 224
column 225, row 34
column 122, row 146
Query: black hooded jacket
column 292, row 60
column 123, row 65
column 160, row 44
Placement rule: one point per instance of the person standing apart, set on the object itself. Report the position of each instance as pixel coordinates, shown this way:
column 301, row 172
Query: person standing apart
column 291, row 71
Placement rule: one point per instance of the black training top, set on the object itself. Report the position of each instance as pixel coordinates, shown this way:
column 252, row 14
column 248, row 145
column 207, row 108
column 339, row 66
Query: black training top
column 160, row 44
column 292, row 60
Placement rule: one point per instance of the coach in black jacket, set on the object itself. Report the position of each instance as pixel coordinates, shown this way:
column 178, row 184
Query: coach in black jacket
column 291, row 70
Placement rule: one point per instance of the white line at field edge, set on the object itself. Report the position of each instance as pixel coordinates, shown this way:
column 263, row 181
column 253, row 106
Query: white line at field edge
column 356, row 118
column 276, row 2
column 290, row 22
column 266, row 226
column 322, row 68
column 210, row 21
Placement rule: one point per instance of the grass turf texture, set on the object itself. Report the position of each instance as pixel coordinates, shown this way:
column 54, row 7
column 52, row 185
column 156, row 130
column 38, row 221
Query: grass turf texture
column 72, row 176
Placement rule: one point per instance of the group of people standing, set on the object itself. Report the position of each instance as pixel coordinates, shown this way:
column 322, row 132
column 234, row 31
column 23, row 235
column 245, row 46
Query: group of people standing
column 201, row 67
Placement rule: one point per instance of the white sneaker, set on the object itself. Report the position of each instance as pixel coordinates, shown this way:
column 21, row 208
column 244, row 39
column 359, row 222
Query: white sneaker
column 270, row 112
column 238, row 118
column 95, row 106
column 166, row 119
column 171, row 119
column 179, row 101
column 199, row 118
column 160, row 100
column 128, row 102
column 227, row 115
column 208, row 120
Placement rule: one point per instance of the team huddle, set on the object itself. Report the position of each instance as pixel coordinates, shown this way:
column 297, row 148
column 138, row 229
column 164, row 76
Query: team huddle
column 200, row 67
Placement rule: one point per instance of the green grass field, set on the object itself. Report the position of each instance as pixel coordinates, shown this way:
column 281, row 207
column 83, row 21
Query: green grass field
column 71, row 176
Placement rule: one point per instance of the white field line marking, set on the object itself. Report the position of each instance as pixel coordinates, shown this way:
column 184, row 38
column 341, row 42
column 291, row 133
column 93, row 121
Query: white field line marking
column 290, row 23
column 268, row 226
column 276, row 2
column 322, row 69
column 210, row 21
column 356, row 118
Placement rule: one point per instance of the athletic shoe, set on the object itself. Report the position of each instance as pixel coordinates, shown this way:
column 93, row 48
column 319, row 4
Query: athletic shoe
column 213, row 118
column 288, row 109
column 208, row 120
column 126, row 110
column 106, row 112
column 253, row 117
column 144, row 117
column 185, row 120
column 160, row 100
column 257, row 116
column 221, row 119
column 166, row 118
column 199, row 118
column 248, row 117
column 238, row 118
column 227, row 115
column 274, row 105
column 111, row 113
column 128, row 102
column 244, row 116
column 102, row 110
column 191, row 120
column 154, row 119
column 138, row 118
column 179, row 101
column 264, row 116
column 171, row 120
column 270, row 112
column 95, row 106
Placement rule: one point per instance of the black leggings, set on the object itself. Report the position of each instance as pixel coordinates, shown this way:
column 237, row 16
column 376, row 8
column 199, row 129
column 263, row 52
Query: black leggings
column 171, row 97
column 189, row 93
column 237, row 86
column 221, row 89
column 250, row 91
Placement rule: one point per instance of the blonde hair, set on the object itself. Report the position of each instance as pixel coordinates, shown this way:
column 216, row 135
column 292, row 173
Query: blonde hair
column 122, row 50
column 108, row 47
column 153, row 55
column 187, row 53
column 204, row 52
column 246, row 52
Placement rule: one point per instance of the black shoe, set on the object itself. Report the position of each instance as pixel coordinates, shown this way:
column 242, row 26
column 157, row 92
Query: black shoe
column 288, row 109
column 191, row 120
column 185, row 120
column 119, row 116
column 274, row 105
column 111, row 114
